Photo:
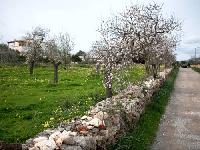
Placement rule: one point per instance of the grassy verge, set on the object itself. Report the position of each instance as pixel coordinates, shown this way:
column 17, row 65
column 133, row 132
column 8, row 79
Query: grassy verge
column 196, row 69
column 142, row 135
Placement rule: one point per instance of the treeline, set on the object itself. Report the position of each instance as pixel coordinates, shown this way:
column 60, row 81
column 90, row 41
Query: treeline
column 9, row 56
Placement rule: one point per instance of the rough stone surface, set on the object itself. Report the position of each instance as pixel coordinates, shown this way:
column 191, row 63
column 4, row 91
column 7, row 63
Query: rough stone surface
column 67, row 147
column 103, row 123
column 180, row 126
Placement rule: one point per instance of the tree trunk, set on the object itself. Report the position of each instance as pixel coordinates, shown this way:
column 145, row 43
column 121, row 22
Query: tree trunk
column 147, row 68
column 155, row 71
column 108, row 92
column 56, row 72
column 31, row 66
column 108, row 83
column 97, row 68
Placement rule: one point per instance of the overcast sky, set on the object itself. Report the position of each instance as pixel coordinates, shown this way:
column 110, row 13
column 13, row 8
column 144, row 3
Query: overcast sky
column 81, row 18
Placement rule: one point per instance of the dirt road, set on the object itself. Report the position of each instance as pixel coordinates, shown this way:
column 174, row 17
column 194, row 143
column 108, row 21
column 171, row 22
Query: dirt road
column 180, row 126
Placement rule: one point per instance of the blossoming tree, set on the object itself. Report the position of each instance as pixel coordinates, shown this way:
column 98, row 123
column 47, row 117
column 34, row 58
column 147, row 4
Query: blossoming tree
column 57, row 49
column 34, row 46
column 141, row 31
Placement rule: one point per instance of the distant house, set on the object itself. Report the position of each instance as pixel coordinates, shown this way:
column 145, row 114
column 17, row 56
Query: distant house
column 18, row 45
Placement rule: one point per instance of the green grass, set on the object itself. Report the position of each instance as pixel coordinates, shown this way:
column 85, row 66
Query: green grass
column 28, row 105
column 141, row 137
column 196, row 69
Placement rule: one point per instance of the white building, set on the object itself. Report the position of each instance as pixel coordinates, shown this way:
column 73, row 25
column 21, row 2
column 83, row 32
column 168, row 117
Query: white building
column 18, row 45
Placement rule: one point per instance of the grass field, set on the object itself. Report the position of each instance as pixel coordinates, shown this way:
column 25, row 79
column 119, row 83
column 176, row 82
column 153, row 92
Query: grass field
column 28, row 105
column 141, row 137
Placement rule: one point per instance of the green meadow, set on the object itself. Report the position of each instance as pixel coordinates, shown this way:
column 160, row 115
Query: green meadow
column 30, row 104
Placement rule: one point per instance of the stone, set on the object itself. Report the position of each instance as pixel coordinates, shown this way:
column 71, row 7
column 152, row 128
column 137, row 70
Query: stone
column 34, row 148
column 39, row 139
column 101, row 115
column 81, row 127
column 55, row 135
column 69, row 141
column 45, row 133
column 30, row 143
column 94, row 110
column 116, row 119
column 90, row 127
column 46, row 145
column 84, row 123
column 59, row 142
column 95, row 130
column 104, row 133
column 84, row 117
column 68, row 128
column 95, row 122
column 67, row 147
column 84, row 132
column 61, row 129
column 86, row 142
column 72, row 133
column 89, row 118
column 65, row 134
column 24, row 147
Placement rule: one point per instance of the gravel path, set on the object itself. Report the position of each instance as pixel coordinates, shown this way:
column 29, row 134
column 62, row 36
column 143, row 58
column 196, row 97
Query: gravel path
column 180, row 126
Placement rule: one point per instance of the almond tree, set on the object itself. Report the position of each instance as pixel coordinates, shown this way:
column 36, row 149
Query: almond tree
column 34, row 48
column 110, row 53
column 57, row 49
column 66, row 45
column 148, row 24
column 137, row 32
column 54, row 54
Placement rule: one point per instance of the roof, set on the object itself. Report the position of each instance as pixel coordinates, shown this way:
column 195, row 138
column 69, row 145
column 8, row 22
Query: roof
column 17, row 41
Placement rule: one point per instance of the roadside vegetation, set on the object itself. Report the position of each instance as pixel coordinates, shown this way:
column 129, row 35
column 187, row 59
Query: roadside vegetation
column 196, row 69
column 141, row 137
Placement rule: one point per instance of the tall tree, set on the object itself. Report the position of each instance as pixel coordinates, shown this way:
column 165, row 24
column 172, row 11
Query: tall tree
column 66, row 45
column 57, row 49
column 34, row 46
column 141, row 31
column 55, row 56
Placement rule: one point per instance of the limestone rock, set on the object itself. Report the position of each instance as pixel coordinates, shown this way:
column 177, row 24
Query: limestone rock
column 72, row 133
column 95, row 122
column 55, row 135
column 69, row 141
column 46, row 145
column 39, row 139
column 86, row 142
column 65, row 134
column 101, row 115
column 67, row 147
column 84, row 117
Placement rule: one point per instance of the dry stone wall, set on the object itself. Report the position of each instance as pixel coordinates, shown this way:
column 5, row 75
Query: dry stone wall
column 104, row 122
